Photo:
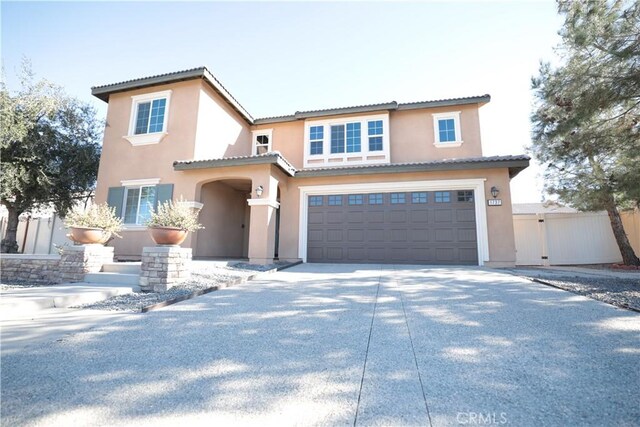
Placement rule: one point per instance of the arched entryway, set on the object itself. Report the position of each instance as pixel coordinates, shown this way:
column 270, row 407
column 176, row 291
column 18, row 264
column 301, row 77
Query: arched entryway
column 225, row 216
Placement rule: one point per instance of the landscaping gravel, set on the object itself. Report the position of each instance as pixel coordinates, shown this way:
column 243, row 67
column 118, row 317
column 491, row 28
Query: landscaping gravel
column 202, row 279
column 620, row 292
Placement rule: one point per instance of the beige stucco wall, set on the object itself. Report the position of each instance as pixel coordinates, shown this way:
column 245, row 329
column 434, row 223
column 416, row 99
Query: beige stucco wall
column 412, row 135
column 221, row 132
column 223, row 216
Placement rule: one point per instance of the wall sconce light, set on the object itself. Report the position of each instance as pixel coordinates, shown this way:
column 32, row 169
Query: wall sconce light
column 259, row 191
column 495, row 191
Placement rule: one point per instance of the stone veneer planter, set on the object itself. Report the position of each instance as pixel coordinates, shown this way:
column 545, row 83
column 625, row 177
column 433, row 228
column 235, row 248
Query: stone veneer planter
column 70, row 266
column 164, row 267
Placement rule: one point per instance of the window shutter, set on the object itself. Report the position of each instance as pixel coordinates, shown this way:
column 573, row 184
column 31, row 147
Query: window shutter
column 164, row 192
column 115, row 198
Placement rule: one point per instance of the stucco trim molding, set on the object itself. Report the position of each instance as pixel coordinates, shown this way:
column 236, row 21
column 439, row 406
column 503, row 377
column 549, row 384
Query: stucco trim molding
column 191, row 204
column 477, row 185
column 140, row 182
column 263, row 202
column 146, row 138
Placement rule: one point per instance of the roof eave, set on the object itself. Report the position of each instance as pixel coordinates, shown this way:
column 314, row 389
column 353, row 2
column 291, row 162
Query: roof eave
column 103, row 92
column 514, row 166
column 445, row 103
column 221, row 163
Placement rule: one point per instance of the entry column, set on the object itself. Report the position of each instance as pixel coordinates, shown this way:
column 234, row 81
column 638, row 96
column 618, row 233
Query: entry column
column 262, row 230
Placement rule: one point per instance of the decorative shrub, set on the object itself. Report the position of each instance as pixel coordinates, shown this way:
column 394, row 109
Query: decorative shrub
column 97, row 216
column 176, row 215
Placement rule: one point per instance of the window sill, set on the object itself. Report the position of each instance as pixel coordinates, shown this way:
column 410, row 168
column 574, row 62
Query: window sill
column 133, row 227
column 146, row 139
column 452, row 144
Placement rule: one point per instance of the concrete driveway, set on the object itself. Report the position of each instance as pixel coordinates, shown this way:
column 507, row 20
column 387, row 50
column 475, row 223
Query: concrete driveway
column 344, row 345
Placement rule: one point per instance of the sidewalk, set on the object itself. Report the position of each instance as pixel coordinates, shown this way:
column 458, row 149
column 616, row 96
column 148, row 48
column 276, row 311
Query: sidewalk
column 568, row 271
column 34, row 315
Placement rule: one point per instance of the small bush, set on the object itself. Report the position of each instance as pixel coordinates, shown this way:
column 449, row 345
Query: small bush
column 97, row 216
column 177, row 215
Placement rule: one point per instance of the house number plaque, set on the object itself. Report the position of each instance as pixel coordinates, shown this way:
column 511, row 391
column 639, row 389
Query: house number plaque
column 494, row 202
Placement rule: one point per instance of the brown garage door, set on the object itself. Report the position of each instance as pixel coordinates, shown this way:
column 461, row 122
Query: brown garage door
column 422, row 227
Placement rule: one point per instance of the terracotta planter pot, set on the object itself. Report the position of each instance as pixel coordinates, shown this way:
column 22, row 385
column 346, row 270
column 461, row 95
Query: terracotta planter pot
column 86, row 235
column 168, row 235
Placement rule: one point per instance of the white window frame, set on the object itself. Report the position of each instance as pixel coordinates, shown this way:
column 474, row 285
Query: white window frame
column 329, row 159
column 262, row 132
column 148, row 138
column 455, row 115
column 136, row 184
column 477, row 185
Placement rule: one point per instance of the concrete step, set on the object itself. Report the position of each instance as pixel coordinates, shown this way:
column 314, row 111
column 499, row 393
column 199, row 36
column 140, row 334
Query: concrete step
column 17, row 303
column 122, row 267
column 112, row 278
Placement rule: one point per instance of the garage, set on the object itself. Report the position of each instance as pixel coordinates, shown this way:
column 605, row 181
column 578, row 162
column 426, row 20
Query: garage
column 413, row 227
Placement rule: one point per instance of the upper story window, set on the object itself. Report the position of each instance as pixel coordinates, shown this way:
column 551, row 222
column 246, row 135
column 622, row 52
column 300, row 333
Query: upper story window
column 342, row 141
column 149, row 118
column 447, row 129
column 262, row 141
column 316, row 139
column 375, row 135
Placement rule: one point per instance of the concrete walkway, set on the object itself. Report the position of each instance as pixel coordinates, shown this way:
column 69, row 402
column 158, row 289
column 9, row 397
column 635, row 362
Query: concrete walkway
column 337, row 345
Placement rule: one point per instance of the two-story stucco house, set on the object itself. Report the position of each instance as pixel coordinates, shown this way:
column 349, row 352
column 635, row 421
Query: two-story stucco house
column 384, row 183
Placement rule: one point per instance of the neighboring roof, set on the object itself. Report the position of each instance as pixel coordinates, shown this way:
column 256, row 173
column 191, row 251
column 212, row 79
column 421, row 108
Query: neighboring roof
column 103, row 92
column 387, row 106
column 549, row 207
column 515, row 164
column 273, row 157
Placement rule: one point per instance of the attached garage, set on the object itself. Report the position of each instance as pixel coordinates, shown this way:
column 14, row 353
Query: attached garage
column 412, row 227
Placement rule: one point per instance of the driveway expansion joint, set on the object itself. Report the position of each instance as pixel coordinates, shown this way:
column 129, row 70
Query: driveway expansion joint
column 415, row 358
column 366, row 354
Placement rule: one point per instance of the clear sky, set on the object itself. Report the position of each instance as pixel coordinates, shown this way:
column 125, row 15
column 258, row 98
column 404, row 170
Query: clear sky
column 280, row 57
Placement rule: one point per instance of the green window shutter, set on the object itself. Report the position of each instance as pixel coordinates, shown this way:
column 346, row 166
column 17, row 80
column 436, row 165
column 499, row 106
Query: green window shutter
column 164, row 192
column 115, row 198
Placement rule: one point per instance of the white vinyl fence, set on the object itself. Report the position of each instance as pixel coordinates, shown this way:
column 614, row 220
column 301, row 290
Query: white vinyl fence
column 571, row 238
column 38, row 235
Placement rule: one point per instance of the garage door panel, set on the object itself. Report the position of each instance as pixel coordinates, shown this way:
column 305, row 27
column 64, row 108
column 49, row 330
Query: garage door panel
column 398, row 216
column 375, row 217
column 398, row 235
column 334, row 235
column 419, row 216
column 355, row 217
column 466, row 235
column 444, row 235
column 376, row 254
column 419, row 235
column 355, row 236
column 443, row 215
column 416, row 229
column 334, row 254
column 466, row 215
column 315, row 236
column 376, row 235
column 334, row 216
column 445, row 255
column 316, row 218
column 356, row 254
column 468, row 255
